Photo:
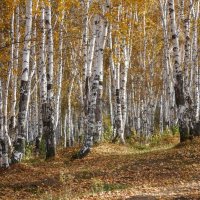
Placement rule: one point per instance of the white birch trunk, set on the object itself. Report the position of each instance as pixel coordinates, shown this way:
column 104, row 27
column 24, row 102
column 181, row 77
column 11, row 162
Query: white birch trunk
column 19, row 147
column 15, row 70
column 112, row 71
column 161, row 114
column 65, row 129
column 3, row 138
column 6, row 92
column 94, row 127
column 98, row 64
column 60, row 72
column 5, row 108
column 34, row 115
column 124, row 77
column 118, row 118
column 195, row 62
column 186, row 115
column 69, row 119
column 48, row 115
column 110, row 99
column 42, row 77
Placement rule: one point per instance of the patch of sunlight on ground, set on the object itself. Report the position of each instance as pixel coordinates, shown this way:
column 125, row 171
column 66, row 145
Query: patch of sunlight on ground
column 116, row 149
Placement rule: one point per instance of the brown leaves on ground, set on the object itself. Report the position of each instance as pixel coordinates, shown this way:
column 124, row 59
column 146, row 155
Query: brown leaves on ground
column 109, row 172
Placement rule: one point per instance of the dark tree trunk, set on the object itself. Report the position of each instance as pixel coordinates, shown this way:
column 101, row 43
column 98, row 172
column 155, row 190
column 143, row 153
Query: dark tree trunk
column 48, row 129
column 19, row 143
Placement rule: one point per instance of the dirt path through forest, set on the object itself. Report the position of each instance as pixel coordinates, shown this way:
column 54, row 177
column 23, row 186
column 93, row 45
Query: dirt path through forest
column 109, row 172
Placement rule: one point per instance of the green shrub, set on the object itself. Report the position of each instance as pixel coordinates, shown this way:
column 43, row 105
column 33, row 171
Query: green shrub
column 108, row 130
column 175, row 130
column 139, row 141
column 29, row 150
column 42, row 149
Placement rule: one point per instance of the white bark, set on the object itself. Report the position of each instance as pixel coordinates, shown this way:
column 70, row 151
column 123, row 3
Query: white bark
column 110, row 99
column 3, row 137
column 42, row 76
column 27, row 42
column 124, row 77
column 98, row 71
column 195, row 62
column 186, row 115
column 33, row 114
column 86, row 41
column 20, row 140
column 50, row 56
column 65, row 129
column 187, row 52
column 60, row 72
column 48, row 114
column 118, row 118
column 69, row 118
column 15, row 70
column 42, row 60
column 161, row 114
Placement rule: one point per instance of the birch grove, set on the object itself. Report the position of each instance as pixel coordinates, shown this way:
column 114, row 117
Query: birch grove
column 88, row 71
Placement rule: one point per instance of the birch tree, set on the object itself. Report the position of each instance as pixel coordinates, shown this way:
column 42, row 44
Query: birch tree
column 60, row 72
column 48, row 114
column 186, row 115
column 195, row 62
column 19, row 146
column 4, row 162
column 42, row 74
column 94, row 116
column 15, row 70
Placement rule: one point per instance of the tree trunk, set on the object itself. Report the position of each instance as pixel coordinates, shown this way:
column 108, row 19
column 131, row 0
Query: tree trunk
column 3, row 137
column 60, row 73
column 48, row 108
column 19, row 146
column 186, row 115
column 15, row 69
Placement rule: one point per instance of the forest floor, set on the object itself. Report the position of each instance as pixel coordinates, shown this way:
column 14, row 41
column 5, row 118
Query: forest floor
column 110, row 171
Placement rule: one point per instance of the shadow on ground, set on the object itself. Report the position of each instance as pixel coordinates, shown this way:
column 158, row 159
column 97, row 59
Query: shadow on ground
column 142, row 198
column 156, row 198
